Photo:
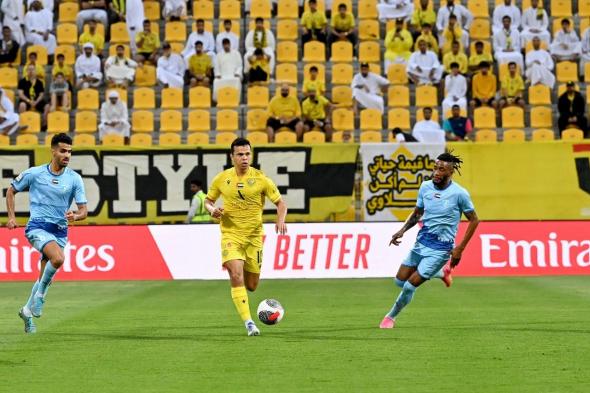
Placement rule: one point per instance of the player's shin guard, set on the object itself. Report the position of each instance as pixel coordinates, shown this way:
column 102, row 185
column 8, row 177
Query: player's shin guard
column 403, row 299
column 240, row 299
column 399, row 283
column 48, row 274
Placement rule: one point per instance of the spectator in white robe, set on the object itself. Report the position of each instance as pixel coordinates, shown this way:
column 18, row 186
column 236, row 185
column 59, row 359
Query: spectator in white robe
column 206, row 39
column 119, row 70
column 367, row 88
column 171, row 68
column 259, row 37
column 428, row 130
column 87, row 68
column 114, row 117
column 8, row 117
column 456, row 89
column 233, row 38
column 585, row 56
column 464, row 16
column 14, row 17
column 134, row 19
column 566, row 45
column 38, row 26
column 92, row 9
column 49, row 5
column 395, row 9
column 174, row 9
column 507, row 44
column 228, row 69
column 535, row 23
column 501, row 11
column 539, row 66
column 423, row 66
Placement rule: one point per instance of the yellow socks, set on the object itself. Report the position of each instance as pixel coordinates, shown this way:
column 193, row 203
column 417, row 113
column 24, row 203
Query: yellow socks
column 240, row 298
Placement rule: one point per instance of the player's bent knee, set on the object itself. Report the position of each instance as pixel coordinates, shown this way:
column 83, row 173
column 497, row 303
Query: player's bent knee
column 399, row 283
column 251, row 286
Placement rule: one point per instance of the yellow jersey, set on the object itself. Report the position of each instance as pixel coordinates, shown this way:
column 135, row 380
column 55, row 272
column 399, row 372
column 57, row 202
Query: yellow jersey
column 341, row 24
column 199, row 64
column 243, row 200
column 284, row 106
column 460, row 58
column 315, row 110
column 66, row 70
column 314, row 20
column 97, row 40
column 513, row 86
column 316, row 85
column 151, row 42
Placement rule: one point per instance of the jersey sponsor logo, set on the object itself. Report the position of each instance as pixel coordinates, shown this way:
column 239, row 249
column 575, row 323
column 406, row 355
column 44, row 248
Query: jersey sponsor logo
column 251, row 182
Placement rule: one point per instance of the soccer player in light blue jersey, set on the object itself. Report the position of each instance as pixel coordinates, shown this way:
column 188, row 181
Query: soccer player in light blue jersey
column 440, row 204
column 52, row 188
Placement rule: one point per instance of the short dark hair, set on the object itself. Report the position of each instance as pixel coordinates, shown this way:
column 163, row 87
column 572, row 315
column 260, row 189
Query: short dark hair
column 396, row 131
column 448, row 156
column 198, row 43
column 120, row 46
column 455, row 107
column 454, row 65
column 259, row 19
column 5, row 28
column 225, row 41
column 200, row 21
column 484, row 64
column 506, row 17
column 60, row 138
column 61, row 55
column 313, row 68
column 427, row 108
column 239, row 142
column 478, row 43
column 341, row 6
column 312, row 2
column 146, row 21
column 227, row 21
column 565, row 20
column 197, row 183
column 511, row 63
column 33, row 54
column 258, row 52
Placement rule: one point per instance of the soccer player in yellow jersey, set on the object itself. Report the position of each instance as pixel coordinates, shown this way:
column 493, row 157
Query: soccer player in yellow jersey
column 243, row 190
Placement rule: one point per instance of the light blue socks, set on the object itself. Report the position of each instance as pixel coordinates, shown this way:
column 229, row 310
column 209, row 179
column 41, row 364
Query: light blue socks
column 399, row 283
column 403, row 299
column 33, row 292
column 48, row 274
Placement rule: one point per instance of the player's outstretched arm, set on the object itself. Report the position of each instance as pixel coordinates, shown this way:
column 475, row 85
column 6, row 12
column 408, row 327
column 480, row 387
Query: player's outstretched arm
column 458, row 250
column 216, row 212
column 80, row 215
column 10, row 193
column 410, row 222
column 280, row 226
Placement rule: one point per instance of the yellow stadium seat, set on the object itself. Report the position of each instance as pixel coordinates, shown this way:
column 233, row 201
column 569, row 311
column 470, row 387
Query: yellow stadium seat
column 26, row 140
column 170, row 121
column 48, row 138
column 584, row 24
column 342, row 96
column 398, row 96
column 113, row 140
column 144, row 98
column 480, row 29
column 371, row 137
column 286, row 137
column 479, row 8
column 4, row 140
column 67, row 33
column 176, row 31
column 151, row 10
column 420, row 115
column 369, row 29
column 197, row 138
column 8, row 78
column 343, row 119
column 260, row 8
column 172, row 98
column 371, row 119
column 224, row 138
column 314, row 137
column 122, row 94
column 58, row 121
column 314, row 51
column 252, row 24
column 145, row 76
column 484, row 117
column 199, row 120
column 529, row 46
column 256, row 119
column 258, row 97
column 342, row 74
column 398, row 117
column 587, row 72
column 486, row 136
column 513, row 135
column 396, row 74
column 543, row 135
column 230, row 9
column 41, row 52
column 68, row 12
column 561, row 8
column 140, row 140
column 341, row 52
column 541, row 117
column 286, row 72
column 321, row 70
column 367, row 9
column 539, row 95
column 572, row 134
column 83, row 140
column 513, row 117
column 177, row 47
column 426, row 96
column 69, row 52
column 258, row 138
column 375, row 68
column 287, row 29
column 88, row 99
column 32, row 120
column 203, row 9
column 126, row 50
column 142, row 121
column 342, row 137
column 288, row 9
column 370, row 52
column 169, row 139
column 228, row 97
column 199, row 97
column 208, row 26
column 287, row 52
column 119, row 33
column 85, row 121
column 227, row 120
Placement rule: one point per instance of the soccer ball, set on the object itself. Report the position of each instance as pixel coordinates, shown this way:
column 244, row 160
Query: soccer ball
column 270, row 312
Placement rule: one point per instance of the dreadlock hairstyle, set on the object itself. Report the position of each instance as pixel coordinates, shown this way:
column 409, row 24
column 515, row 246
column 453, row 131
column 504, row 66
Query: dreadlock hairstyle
column 448, row 156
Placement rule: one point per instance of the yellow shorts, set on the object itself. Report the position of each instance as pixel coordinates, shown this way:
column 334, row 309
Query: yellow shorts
column 244, row 250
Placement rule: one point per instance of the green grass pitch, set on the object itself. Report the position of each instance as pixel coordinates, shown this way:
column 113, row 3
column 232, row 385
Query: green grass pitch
column 482, row 335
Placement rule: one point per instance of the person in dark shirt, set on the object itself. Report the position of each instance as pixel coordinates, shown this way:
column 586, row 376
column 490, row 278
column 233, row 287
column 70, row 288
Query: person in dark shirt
column 571, row 106
column 31, row 93
column 457, row 127
column 401, row 136
column 8, row 47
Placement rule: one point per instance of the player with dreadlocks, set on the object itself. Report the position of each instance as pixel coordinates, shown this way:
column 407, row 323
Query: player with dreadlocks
column 440, row 204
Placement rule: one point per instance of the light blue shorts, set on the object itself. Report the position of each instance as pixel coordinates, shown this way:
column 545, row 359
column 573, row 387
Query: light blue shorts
column 39, row 238
column 428, row 261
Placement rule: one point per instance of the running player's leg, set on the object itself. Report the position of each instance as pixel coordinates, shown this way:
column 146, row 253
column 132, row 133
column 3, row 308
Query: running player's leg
column 251, row 280
column 54, row 253
column 25, row 311
column 235, row 269
column 403, row 274
column 252, row 266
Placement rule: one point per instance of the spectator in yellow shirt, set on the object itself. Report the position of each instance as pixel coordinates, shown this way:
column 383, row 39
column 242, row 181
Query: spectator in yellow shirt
column 455, row 56
column 314, row 24
column 343, row 26
column 316, row 111
column 284, row 111
column 423, row 14
column 478, row 57
column 259, row 67
column 200, row 67
column 512, row 88
column 427, row 37
column 61, row 67
column 453, row 32
column 483, row 87
column 398, row 45
column 147, row 43
column 93, row 37
column 313, row 83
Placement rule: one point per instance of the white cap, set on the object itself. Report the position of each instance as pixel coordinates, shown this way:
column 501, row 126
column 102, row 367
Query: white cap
column 88, row 45
column 113, row 94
